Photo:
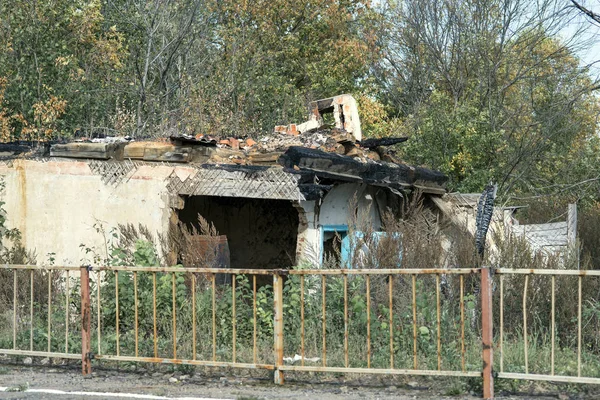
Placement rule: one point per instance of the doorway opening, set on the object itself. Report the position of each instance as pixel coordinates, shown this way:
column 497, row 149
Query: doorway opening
column 261, row 233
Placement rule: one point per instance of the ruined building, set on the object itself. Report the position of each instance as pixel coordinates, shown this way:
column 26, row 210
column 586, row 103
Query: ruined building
column 274, row 200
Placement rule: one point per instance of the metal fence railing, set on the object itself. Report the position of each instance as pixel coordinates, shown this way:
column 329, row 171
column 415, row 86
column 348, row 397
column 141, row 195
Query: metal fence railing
column 409, row 325
column 39, row 311
column 540, row 322
column 436, row 322
column 165, row 303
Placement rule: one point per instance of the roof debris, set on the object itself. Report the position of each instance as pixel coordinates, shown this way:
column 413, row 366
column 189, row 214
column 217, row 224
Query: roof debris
column 313, row 148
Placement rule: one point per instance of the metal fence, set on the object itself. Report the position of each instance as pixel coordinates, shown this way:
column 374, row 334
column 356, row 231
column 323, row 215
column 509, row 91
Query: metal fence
column 24, row 338
column 545, row 327
column 436, row 322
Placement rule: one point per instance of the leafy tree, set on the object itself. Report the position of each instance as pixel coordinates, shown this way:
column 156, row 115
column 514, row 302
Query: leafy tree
column 487, row 91
column 268, row 59
column 56, row 58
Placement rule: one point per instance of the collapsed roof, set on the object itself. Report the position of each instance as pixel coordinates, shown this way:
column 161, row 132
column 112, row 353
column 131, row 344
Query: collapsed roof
column 307, row 158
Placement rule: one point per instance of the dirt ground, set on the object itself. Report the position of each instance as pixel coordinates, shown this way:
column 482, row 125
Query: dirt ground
column 255, row 385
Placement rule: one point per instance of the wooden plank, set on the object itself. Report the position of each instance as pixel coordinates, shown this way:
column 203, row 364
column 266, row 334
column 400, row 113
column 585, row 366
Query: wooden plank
column 572, row 223
column 201, row 154
column 555, row 226
column 547, row 241
column 135, row 150
column 265, row 157
column 102, row 151
column 166, row 152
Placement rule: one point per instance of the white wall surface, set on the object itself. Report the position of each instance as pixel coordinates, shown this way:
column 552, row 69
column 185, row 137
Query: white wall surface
column 55, row 204
column 335, row 208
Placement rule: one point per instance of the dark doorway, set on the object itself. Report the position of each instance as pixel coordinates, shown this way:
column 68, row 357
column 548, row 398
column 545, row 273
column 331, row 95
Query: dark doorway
column 260, row 233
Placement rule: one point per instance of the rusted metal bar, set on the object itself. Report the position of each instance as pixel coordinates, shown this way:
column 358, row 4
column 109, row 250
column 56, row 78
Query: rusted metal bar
column 98, row 313
column 346, row 321
column 31, row 310
column 551, row 378
column 568, row 272
column 154, row 314
column 194, row 317
column 403, row 271
column 214, row 319
column 14, row 309
column 218, row 364
column 278, row 327
column 487, row 334
column 407, row 271
column 368, row 284
column 462, row 323
column 45, row 354
column 49, row 310
column 302, row 319
column 501, row 323
column 174, row 316
column 381, row 371
column 233, row 317
column 67, row 302
column 117, row 309
column 414, row 309
column 553, row 327
column 254, row 327
column 135, row 306
column 86, row 327
column 579, row 326
column 169, row 270
column 323, row 319
column 439, row 323
column 525, row 345
column 37, row 267
column 391, row 318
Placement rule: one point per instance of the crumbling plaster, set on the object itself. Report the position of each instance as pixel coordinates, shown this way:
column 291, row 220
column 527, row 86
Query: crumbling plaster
column 333, row 210
column 58, row 205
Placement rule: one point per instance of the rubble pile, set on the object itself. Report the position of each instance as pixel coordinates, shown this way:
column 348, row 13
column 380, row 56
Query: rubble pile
column 268, row 147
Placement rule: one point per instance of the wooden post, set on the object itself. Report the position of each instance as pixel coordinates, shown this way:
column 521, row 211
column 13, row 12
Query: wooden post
column 487, row 333
column 278, row 326
column 572, row 224
column 86, row 362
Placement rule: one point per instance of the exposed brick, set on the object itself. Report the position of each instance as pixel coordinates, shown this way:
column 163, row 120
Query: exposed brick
column 292, row 130
column 225, row 142
column 250, row 142
column 281, row 128
column 234, row 143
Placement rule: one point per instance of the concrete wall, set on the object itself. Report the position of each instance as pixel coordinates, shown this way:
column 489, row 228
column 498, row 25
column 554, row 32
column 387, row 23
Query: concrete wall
column 59, row 204
column 309, row 237
column 335, row 208
column 56, row 205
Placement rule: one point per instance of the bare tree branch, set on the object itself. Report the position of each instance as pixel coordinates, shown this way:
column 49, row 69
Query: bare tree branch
column 592, row 15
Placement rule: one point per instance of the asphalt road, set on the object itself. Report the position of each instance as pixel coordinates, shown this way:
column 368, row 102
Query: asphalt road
column 250, row 385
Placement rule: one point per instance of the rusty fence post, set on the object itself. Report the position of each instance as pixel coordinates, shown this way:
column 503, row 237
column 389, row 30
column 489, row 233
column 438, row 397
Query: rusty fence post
column 278, row 326
column 86, row 359
column 487, row 333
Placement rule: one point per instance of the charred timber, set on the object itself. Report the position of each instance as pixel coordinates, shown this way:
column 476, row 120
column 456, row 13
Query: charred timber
column 389, row 141
column 338, row 167
column 181, row 140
